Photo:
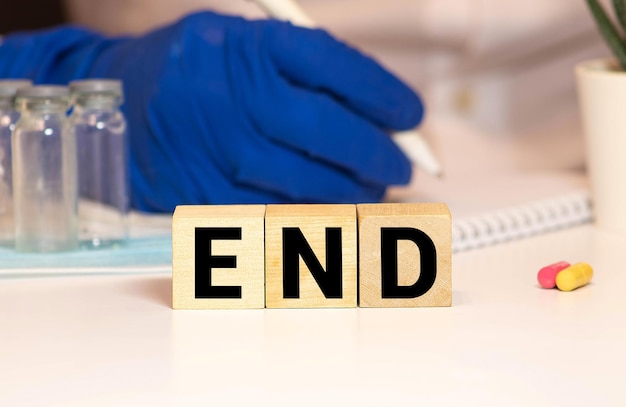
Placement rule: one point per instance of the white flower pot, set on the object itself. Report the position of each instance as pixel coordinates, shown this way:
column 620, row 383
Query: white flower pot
column 602, row 98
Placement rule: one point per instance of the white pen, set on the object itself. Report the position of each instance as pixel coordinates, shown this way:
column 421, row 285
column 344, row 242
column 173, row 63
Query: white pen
column 410, row 141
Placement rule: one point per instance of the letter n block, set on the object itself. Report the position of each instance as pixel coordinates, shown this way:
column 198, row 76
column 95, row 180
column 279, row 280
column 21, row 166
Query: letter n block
column 218, row 257
column 311, row 256
column 405, row 255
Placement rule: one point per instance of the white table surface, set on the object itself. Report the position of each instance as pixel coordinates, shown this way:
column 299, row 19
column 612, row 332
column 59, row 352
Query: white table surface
column 114, row 340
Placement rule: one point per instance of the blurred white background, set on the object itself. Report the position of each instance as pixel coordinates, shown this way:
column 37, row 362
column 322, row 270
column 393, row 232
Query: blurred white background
column 501, row 70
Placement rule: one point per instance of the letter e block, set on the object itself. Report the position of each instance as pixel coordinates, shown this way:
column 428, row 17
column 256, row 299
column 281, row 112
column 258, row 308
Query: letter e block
column 218, row 257
column 311, row 256
column 405, row 253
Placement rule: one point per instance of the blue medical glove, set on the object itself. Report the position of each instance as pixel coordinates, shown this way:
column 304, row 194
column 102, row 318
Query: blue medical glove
column 225, row 110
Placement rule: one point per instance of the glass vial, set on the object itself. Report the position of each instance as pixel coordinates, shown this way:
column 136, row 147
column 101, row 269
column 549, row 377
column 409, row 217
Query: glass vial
column 45, row 189
column 100, row 129
column 8, row 117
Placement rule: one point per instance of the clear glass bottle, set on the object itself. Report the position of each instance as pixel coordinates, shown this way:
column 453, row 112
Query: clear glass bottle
column 8, row 117
column 45, row 189
column 103, row 181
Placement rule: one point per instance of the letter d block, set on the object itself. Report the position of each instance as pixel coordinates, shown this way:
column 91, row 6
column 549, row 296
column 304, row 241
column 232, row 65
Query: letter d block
column 405, row 253
column 218, row 257
column 311, row 256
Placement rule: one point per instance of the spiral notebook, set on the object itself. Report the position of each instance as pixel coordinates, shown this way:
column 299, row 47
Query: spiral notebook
column 522, row 221
column 489, row 209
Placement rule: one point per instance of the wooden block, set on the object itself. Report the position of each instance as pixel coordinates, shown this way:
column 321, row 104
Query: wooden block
column 218, row 257
column 405, row 253
column 310, row 256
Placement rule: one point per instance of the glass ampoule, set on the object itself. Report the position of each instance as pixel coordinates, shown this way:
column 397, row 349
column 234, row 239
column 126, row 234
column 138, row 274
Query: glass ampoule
column 8, row 118
column 45, row 188
column 100, row 128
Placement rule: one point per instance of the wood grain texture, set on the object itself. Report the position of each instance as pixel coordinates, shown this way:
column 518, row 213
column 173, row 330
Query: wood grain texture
column 432, row 219
column 312, row 220
column 249, row 272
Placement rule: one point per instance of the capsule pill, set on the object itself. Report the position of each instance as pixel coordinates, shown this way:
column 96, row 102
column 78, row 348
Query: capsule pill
column 574, row 276
column 547, row 275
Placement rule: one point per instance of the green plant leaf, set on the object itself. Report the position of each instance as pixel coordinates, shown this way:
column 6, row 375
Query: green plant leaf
column 608, row 31
column 620, row 11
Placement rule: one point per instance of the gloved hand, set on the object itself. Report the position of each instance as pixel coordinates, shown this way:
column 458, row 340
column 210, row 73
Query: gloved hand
column 225, row 110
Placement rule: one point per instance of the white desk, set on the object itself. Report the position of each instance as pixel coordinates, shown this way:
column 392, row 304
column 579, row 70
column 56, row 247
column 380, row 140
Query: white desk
column 114, row 340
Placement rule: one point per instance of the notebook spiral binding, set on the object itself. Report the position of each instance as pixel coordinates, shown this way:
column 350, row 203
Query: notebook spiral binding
column 522, row 221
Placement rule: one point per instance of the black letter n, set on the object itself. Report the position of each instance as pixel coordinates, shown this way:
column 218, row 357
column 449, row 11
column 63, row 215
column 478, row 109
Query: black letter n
column 294, row 246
